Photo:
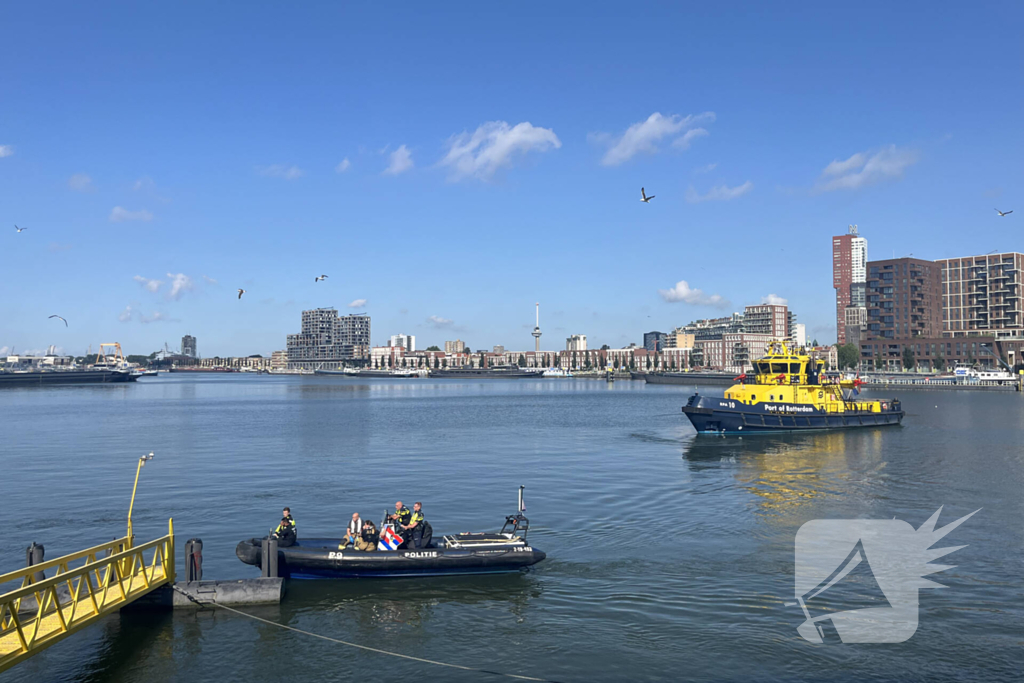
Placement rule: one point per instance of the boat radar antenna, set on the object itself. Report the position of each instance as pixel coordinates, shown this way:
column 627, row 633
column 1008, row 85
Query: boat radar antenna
column 517, row 523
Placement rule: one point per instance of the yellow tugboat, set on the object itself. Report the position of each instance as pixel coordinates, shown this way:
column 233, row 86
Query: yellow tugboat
column 789, row 392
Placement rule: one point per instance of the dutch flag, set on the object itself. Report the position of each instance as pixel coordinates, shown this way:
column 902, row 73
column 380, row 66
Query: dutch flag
column 389, row 540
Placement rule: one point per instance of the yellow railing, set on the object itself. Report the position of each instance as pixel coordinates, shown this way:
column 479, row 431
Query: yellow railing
column 41, row 613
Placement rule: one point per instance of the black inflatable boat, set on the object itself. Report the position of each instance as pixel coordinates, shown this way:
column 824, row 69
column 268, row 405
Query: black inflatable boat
column 486, row 553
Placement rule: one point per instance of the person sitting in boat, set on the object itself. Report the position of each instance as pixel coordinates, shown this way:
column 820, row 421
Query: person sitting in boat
column 286, row 532
column 355, row 527
column 367, row 539
column 414, row 530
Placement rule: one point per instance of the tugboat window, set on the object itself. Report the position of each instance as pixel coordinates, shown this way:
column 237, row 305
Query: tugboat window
column 794, row 368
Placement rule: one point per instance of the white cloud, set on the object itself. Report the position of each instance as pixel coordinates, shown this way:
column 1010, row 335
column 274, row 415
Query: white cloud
column 157, row 317
column 439, row 322
column 401, row 161
column 343, row 166
column 147, row 187
column 866, row 168
column 774, row 300
column 281, row 171
column 125, row 315
column 706, row 169
column 688, row 137
column 682, row 292
column 180, row 283
column 120, row 214
column 80, row 182
column 6, row 151
column 646, row 136
column 4, row 350
column 492, row 145
column 209, row 280
column 358, row 303
column 147, row 284
column 718, row 193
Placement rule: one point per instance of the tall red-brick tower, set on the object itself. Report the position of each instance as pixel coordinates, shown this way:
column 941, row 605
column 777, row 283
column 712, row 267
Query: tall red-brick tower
column 849, row 259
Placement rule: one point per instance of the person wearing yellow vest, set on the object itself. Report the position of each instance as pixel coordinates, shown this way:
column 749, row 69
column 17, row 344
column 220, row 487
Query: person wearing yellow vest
column 414, row 528
column 286, row 531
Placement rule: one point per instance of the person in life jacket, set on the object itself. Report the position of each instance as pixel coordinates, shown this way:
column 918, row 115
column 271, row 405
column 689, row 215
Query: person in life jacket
column 400, row 518
column 352, row 533
column 286, row 532
column 416, row 527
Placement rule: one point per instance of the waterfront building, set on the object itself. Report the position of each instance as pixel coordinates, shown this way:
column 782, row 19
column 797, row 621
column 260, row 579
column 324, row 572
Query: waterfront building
column 499, row 349
column 457, row 346
column 856, row 324
column 904, row 299
column 582, row 359
column 328, row 340
column 770, row 319
column 829, row 354
column 278, row 360
column 714, row 328
column 679, row 339
column 982, row 295
column 188, row 346
column 734, row 351
column 530, row 359
column 249, row 363
column 655, row 341
column 383, row 357
column 764, row 319
column 849, row 260
column 577, row 342
column 406, row 341
column 798, row 335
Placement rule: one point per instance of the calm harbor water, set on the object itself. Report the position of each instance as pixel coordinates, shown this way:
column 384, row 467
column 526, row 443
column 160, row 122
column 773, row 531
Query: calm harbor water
column 670, row 556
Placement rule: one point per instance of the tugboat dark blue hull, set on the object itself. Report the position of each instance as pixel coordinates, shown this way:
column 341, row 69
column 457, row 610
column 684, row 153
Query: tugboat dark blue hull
column 724, row 416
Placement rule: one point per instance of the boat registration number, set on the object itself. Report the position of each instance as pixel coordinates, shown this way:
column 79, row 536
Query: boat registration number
column 335, row 556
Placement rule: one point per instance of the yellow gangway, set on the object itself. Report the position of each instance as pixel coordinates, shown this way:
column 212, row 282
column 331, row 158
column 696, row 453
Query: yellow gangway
column 85, row 587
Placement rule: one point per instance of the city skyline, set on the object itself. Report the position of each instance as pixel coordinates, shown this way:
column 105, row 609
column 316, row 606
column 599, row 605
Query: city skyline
column 158, row 186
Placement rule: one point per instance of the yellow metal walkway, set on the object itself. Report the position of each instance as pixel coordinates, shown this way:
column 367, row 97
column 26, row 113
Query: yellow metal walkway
column 112, row 575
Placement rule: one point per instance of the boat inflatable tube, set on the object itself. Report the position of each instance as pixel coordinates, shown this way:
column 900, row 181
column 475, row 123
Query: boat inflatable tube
column 457, row 554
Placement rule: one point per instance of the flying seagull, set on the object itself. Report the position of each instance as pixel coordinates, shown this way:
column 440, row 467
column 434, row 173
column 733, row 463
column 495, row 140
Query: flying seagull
column 1001, row 213
column 20, row 229
column 643, row 196
column 60, row 318
column 320, row 277
column 240, row 293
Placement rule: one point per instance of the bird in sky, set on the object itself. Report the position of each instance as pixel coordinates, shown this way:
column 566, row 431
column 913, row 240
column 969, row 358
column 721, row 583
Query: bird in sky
column 20, row 229
column 60, row 318
column 240, row 293
column 644, row 198
column 1004, row 213
column 320, row 277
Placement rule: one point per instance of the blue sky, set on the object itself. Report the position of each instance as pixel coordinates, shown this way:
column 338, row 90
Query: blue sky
column 163, row 156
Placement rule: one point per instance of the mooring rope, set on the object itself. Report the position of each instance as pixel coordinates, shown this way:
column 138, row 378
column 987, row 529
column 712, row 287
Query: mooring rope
column 362, row 647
